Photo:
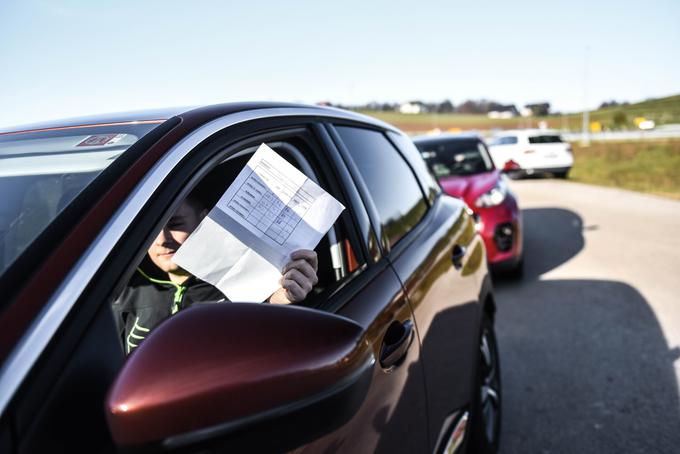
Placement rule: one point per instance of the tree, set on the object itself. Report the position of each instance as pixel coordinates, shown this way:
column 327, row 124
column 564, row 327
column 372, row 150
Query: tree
column 539, row 109
column 445, row 107
column 619, row 119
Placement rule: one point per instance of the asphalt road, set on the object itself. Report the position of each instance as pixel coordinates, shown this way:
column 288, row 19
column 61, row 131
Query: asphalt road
column 590, row 337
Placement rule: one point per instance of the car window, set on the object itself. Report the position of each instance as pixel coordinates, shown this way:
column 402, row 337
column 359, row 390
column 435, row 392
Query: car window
column 546, row 138
column 460, row 157
column 390, row 181
column 427, row 180
column 506, row 140
column 42, row 172
column 135, row 308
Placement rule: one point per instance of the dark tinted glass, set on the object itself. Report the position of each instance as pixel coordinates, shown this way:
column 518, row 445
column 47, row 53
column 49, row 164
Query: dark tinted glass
column 392, row 185
column 411, row 153
column 545, row 139
column 455, row 157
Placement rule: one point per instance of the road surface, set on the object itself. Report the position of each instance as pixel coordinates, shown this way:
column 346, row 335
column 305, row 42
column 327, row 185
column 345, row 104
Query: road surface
column 590, row 337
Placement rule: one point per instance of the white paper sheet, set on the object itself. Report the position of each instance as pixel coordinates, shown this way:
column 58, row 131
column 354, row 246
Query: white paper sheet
column 269, row 211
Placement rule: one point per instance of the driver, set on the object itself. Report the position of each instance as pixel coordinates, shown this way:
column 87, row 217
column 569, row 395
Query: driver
column 160, row 288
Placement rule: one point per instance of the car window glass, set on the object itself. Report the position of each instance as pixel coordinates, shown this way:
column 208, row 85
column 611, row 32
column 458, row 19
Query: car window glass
column 507, row 140
column 392, row 185
column 408, row 149
column 548, row 138
column 458, row 157
column 42, row 172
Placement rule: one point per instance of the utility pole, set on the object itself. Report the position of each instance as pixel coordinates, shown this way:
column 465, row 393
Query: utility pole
column 585, row 139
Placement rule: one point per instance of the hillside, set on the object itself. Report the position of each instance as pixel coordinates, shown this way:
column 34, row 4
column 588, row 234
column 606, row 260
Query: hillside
column 661, row 110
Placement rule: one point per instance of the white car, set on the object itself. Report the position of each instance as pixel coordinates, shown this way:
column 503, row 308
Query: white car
column 531, row 151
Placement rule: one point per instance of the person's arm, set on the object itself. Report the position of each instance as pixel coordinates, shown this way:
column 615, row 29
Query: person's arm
column 299, row 276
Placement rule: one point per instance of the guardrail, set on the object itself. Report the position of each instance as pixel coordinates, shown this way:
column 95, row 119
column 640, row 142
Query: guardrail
column 623, row 135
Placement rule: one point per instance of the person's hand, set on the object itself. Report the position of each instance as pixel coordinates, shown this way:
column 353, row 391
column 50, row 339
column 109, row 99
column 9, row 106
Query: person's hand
column 299, row 276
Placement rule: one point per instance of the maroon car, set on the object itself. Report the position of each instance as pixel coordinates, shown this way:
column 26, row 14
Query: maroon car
column 465, row 170
column 393, row 351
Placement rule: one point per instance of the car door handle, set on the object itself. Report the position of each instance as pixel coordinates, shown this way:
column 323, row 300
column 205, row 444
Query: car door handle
column 457, row 255
column 396, row 342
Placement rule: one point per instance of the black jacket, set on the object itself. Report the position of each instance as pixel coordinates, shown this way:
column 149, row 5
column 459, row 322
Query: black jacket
column 147, row 301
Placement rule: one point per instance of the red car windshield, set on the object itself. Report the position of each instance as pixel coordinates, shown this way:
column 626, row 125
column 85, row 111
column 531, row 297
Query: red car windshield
column 42, row 171
column 456, row 157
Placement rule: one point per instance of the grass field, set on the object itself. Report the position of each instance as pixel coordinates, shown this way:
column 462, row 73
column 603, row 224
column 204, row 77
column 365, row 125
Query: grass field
column 422, row 123
column 652, row 167
column 661, row 111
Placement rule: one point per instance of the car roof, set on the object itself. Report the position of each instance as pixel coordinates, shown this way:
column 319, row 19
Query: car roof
column 526, row 132
column 159, row 115
column 447, row 136
column 101, row 119
column 431, row 139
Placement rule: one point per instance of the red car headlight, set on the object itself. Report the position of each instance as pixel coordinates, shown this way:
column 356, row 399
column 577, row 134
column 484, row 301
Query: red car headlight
column 494, row 196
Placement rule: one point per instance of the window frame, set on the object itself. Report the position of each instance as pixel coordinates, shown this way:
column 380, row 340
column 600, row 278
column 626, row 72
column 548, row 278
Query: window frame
column 221, row 154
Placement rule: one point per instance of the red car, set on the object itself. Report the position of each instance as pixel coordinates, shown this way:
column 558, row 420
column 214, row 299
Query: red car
column 392, row 351
column 464, row 168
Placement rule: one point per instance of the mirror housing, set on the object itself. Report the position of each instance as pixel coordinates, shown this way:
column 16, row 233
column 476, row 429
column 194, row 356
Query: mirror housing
column 241, row 374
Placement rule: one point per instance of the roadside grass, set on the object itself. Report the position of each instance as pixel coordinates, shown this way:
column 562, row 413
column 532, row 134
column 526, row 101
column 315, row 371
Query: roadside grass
column 422, row 123
column 652, row 167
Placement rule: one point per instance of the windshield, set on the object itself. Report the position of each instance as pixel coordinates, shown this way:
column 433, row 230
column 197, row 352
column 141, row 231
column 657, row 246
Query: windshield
column 456, row 157
column 41, row 172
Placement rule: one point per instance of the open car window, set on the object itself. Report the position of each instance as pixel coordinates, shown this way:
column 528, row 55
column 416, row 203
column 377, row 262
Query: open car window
column 338, row 257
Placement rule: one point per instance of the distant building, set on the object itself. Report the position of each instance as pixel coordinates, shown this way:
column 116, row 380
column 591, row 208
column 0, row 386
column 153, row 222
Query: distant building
column 509, row 111
column 413, row 107
column 536, row 110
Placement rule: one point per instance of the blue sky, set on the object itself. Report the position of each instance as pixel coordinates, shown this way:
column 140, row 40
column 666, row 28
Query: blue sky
column 70, row 58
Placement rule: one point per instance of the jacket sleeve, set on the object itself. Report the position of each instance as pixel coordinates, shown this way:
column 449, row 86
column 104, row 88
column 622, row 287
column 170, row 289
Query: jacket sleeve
column 122, row 313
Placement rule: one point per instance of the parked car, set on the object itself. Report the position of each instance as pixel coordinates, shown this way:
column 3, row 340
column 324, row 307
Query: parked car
column 532, row 151
column 393, row 351
column 465, row 170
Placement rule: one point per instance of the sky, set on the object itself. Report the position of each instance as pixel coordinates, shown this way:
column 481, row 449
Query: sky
column 71, row 58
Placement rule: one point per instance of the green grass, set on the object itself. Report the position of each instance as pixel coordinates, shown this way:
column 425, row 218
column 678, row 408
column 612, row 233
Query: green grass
column 652, row 167
column 661, row 111
column 426, row 122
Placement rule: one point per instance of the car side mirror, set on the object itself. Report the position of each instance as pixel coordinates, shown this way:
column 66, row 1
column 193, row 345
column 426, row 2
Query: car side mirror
column 241, row 376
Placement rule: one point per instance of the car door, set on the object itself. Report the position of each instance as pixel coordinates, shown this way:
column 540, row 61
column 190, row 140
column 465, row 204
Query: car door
column 59, row 406
column 442, row 271
column 367, row 292
column 393, row 417
column 422, row 232
column 433, row 249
